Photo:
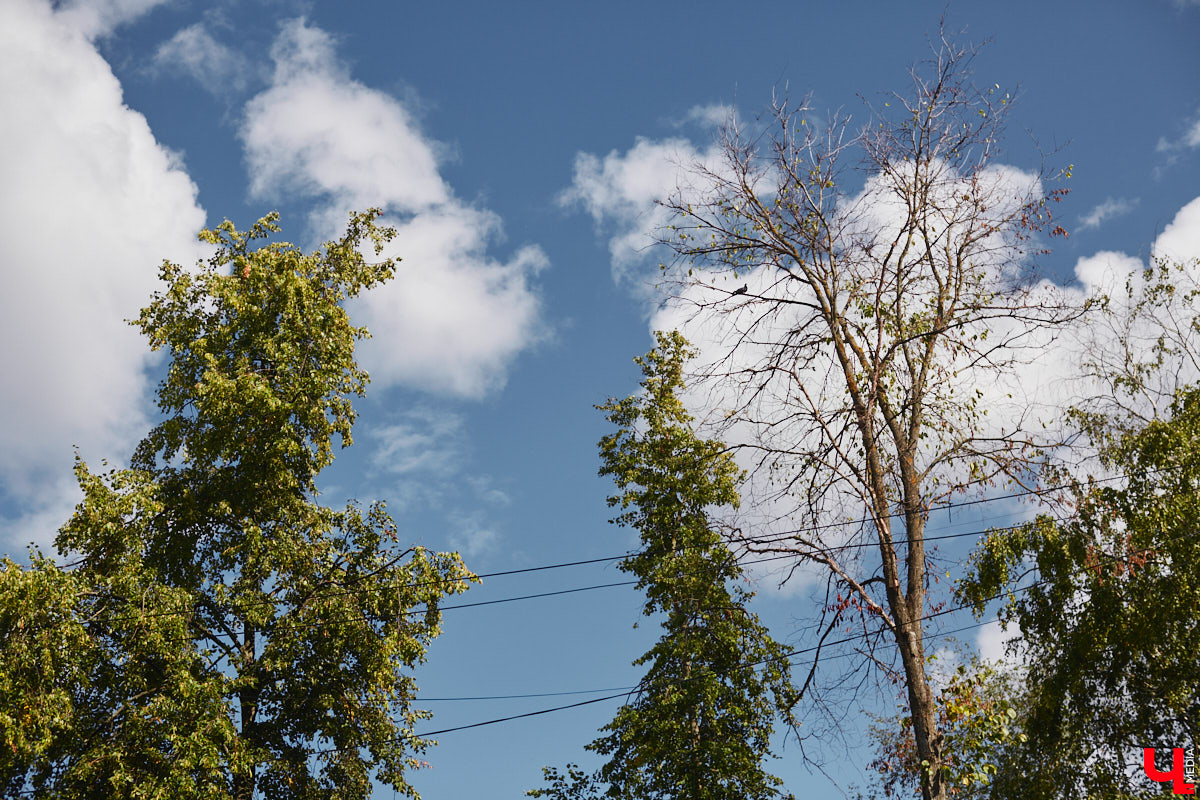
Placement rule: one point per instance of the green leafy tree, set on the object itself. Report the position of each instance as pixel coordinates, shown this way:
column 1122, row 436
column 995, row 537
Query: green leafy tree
column 103, row 692
column 1111, row 618
column 1109, row 597
column 700, row 725
column 222, row 633
column 979, row 715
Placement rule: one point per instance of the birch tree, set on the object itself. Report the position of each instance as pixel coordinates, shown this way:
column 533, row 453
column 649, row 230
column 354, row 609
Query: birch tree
column 1106, row 598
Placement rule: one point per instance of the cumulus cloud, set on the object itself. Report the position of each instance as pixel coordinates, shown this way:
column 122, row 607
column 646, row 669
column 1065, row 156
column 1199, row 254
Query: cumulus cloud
column 421, row 441
column 91, row 205
column 318, row 133
column 732, row 323
column 455, row 317
column 194, row 52
column 472, row 534
column 1109, row 209
column 713, row 115
column 418, row 458
column 96, row 18
column 994, row 642
column 1180, row 240
column 1192, row 137
column 622, row 192
column 1128, row 334
column 486, row 492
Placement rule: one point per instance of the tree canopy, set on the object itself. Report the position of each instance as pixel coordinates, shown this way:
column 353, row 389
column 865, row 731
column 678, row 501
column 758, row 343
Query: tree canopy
column 1107, row 595
column 859, row 360
column 220, row 632
column 699, row 724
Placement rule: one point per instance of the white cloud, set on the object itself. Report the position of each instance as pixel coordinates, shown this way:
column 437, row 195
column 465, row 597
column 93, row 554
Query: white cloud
column 423, row 454
column 993, row 642
column 1132, row 335
column 418, row 457
column 619, row 192
column 485, row 491
column 91, row 205
column 454, row 318
column 1180, row 240
column 735, row 335
column 96, row 18
column 318, row 133
column 471, row 534
column 1107, row 210
column 622, row 192
column 713, row 115
column 194, row 52
column 1192, row 137
column 423, row 441
column 1189, row 139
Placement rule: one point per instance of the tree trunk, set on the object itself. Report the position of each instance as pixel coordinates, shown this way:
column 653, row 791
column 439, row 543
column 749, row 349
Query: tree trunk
column 908, row 610
column 923, row 709
column 244, row 778
column 908, row 604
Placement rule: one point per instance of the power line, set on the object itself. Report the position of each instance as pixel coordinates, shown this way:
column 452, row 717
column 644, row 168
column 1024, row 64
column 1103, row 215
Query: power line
column 789, row 655
column 629, row 690
column 793, row 653
column 508, row 718
column 349, row 590
column 620, row 692
column 529, row 596
column 283, row 627
column 325, row 620
column 624, row 690
column 574, row 590
column 524, row 696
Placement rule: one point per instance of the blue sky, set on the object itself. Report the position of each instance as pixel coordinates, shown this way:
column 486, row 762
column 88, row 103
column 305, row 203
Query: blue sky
column 519, row 147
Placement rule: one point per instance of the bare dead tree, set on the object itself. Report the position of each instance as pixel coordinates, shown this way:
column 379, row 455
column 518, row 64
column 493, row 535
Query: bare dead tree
column 869, row 339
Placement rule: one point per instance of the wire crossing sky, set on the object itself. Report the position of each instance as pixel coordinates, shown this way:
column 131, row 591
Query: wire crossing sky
column 520, row 150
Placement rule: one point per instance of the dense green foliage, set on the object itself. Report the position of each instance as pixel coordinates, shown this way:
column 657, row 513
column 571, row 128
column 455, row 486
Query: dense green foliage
column 699, row 725
column 222, row 633
column 101, row 689
column 1110, row 619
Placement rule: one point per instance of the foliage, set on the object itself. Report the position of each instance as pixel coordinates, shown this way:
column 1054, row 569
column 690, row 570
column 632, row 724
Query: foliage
column 101, row 689
column 222, row 633
column 1110, row 620
column 978, row 716
column 702, row 718
column 574, row 784
column 874, row 329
